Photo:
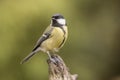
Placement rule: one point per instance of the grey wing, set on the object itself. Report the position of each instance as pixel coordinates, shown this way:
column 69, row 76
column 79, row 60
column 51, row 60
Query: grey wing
column 45, row 36
column 42, row 38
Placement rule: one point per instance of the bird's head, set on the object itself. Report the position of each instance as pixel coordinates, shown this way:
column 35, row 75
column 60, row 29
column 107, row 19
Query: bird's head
column 58, row 20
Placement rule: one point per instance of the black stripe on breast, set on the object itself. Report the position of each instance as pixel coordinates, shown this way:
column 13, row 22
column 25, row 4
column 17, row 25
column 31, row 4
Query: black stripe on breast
column 63, row 36
column 62, row 42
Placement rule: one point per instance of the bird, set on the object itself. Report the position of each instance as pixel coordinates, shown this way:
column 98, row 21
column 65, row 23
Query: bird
column 52, row 39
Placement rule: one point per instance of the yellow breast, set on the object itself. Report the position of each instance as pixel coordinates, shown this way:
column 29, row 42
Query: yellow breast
column 56, row 40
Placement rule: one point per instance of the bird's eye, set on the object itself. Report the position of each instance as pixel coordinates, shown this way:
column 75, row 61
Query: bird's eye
column 56, row 17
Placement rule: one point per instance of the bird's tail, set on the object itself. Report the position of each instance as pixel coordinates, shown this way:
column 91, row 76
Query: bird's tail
column 27, row 57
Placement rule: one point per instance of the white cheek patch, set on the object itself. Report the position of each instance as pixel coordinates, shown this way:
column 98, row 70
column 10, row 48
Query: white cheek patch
column 61, row 21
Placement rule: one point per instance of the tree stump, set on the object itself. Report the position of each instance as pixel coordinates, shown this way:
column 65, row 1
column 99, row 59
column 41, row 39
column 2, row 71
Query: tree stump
column 58, row 69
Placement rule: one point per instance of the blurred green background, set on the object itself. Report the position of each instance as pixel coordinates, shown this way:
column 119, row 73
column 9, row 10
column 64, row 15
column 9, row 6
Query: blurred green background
column 92, row 49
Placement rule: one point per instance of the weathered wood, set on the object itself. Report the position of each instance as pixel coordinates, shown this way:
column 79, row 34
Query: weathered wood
column 58, row 69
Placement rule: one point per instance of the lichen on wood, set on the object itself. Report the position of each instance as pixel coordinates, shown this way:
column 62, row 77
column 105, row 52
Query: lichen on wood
column 58, row 69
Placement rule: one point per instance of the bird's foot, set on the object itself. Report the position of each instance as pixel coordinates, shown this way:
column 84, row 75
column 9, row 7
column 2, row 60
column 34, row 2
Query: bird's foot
column 51, row 57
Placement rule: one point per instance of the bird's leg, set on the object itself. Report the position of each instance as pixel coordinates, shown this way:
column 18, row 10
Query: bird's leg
column 49, row 55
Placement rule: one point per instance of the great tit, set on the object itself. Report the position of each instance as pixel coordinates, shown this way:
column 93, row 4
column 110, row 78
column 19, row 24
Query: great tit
column 53, row 37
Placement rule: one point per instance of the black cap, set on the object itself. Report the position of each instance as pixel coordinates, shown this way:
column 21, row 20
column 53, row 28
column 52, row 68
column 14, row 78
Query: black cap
column 57, row 16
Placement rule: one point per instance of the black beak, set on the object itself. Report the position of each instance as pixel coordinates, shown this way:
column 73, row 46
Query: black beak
column 53, row 19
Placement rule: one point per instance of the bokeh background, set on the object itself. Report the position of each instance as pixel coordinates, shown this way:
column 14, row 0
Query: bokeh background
column 92, row 49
